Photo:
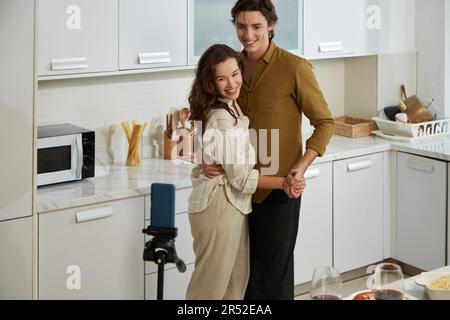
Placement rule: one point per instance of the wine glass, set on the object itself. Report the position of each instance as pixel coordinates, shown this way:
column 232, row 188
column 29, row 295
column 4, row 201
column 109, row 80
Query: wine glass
column 326, row 284
column 387, row 282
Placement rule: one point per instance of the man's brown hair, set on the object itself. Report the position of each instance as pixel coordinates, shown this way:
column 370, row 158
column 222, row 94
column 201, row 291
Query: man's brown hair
column 266, row 7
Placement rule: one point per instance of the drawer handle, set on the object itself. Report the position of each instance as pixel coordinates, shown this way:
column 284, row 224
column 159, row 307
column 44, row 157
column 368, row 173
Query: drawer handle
column 420, row 165
column 69, row 63
column 94, row 214
column 360, row 165
column 154, row 57
column 312, row 173
column 334, row 46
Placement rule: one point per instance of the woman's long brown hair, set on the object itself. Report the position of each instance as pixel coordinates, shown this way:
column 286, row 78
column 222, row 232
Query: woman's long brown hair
column 203, row 95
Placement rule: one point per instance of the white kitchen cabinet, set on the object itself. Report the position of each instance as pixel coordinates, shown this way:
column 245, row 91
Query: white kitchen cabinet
column 16, row 108
column 16, row 259
column 289, row 28
column 329, row 27
column 367, row 26
column 314, row 246
column 175, row 284
column 358, row 211
column 152, row 33
column 77, row 36
column 209, row 22
column 448, row 216
column 93, row 252
column 421, row 211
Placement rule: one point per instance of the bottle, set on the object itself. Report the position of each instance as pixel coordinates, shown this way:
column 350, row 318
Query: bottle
column 118, row 145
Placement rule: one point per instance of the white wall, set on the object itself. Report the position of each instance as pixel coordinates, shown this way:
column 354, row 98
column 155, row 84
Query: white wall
column 99, row 103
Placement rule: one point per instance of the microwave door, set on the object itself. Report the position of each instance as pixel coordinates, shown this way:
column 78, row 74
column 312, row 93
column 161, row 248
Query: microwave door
column 59, row 159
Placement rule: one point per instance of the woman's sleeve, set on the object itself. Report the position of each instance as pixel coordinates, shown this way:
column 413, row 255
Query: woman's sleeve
column 230, row 146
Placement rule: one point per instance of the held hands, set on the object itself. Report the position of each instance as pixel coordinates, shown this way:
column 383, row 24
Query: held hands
column 294, row 184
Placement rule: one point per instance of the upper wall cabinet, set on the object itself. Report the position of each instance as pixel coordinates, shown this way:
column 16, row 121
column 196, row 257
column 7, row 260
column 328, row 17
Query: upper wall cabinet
column 152, row 33
column 368, row 25
column 77, row 36
column 329, row 28
column 210, row 23
column 289, row 28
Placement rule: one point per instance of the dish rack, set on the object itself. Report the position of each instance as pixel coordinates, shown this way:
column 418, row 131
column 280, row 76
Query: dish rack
column 413, row 130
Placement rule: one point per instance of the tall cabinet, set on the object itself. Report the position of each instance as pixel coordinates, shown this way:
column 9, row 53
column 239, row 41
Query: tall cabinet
column 16, row 145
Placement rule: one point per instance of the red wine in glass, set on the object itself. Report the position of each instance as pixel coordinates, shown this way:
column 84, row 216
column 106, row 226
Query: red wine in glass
column 387, row 294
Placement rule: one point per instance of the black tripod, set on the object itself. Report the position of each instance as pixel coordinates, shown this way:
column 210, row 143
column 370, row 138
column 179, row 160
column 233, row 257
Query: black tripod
column 161, row 250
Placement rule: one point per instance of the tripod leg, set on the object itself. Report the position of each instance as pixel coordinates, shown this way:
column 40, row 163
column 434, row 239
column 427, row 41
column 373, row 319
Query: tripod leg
column 160, row 281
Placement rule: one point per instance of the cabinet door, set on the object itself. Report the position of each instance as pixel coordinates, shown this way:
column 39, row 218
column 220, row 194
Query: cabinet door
column 314, row 240
column 77, row 36
column 421, row 211
column 209, row 22
column 368, row 24
column 329, row 27
column 93, row 252
column 289, row 28
column 16, row 108
column 152, row 33
column 175, row 284
column 16, row 245
column 358, row 211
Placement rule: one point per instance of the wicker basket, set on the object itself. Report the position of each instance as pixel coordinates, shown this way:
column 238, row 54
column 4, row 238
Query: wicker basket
column 354, row 127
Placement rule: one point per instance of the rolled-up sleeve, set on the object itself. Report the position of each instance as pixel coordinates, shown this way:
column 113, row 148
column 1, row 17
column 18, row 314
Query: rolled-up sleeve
column 314, row 106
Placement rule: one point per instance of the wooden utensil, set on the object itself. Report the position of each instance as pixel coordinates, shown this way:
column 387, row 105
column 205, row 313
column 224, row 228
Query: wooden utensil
column 183, row 115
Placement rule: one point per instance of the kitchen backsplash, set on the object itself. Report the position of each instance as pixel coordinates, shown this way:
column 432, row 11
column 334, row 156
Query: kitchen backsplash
column 101, row 102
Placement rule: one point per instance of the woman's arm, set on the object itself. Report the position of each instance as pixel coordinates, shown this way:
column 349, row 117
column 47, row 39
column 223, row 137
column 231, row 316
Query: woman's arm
column 270, row 182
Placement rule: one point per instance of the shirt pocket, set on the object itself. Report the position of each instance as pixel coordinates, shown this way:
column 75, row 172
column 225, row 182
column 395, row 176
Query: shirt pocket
column 268, row 100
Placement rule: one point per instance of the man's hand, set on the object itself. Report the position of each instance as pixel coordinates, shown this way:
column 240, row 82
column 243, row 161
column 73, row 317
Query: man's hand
column 294, row 186
column 212, row 170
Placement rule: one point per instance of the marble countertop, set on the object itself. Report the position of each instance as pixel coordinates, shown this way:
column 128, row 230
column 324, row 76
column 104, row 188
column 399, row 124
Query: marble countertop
column 113, row 182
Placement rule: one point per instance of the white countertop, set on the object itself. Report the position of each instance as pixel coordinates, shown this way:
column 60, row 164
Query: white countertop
column 113, row 182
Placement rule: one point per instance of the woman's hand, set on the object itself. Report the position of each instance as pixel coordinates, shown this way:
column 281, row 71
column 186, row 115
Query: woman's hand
column 293, row 186
column 212, row 170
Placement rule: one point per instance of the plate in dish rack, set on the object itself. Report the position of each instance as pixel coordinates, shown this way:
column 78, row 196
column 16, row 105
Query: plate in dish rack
column 368, row 295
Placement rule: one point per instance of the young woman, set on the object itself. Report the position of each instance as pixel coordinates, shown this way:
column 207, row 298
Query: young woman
column 218, row 206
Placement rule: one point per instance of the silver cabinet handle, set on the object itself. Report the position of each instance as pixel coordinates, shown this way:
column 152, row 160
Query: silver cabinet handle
column 80, row 156
column 334, row 46
column 69, row 63
column 154, row 57
column 423, row 166
column 312, row 173
column 360, row 165
column 93, row 214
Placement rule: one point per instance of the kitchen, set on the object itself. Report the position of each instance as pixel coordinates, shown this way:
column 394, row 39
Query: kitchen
column 370, row 48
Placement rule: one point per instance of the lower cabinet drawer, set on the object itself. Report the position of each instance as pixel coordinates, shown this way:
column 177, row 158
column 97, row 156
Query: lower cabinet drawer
column 175, row 284
column 92, row 252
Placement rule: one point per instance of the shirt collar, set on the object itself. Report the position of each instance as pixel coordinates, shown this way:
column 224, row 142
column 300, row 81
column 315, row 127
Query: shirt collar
column 269, row 53
column 229, row 102
column 267, row 57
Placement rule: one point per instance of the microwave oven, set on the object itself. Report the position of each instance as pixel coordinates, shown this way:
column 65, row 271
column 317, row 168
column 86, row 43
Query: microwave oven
column 65, row 152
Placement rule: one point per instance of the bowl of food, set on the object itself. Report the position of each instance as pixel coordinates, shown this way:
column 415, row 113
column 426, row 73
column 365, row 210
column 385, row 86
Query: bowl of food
column 437, row 285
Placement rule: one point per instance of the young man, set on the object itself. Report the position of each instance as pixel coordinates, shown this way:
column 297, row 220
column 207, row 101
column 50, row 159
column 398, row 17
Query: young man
column 278, row 87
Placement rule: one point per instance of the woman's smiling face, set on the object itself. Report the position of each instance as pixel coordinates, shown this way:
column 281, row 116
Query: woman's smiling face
column 228, row 79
